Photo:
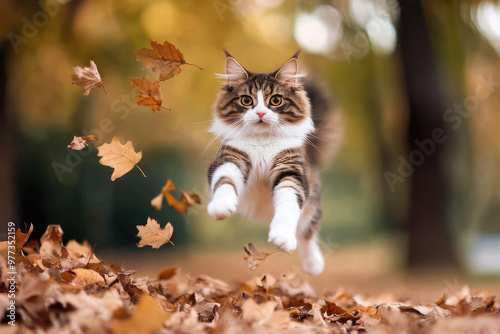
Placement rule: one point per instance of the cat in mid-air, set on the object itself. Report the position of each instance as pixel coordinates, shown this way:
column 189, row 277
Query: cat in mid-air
column 275, row 129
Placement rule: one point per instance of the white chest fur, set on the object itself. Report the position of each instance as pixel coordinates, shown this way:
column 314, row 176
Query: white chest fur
column 257, row 200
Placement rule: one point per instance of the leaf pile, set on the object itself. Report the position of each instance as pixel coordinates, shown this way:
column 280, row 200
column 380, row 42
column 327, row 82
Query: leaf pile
column 68, row 289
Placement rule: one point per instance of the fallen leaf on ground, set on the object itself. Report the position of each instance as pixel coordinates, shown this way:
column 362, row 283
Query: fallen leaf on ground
column 164, row 59
column 188, row 198
column 22, row 238
column 153, row 235
column 150, row 93
column 255, row 258
column 169, row 273
column 87, row 77
column 51, row 241
column 120, row 157
column 86, row 277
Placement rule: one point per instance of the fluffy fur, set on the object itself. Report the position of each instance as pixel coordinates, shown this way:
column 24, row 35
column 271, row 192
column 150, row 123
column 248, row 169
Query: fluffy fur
column 267, row 166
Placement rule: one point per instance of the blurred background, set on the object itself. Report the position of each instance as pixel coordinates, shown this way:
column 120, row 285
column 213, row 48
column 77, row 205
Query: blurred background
column 414, row 186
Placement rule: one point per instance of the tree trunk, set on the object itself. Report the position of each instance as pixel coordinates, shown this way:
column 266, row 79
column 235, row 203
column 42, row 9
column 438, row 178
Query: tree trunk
column 429, row 241
column 8, row 193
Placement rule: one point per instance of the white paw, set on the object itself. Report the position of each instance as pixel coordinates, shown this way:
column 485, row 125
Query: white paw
column 283, row 237
column 222, row 207
column 313, row 265
column 313, row 262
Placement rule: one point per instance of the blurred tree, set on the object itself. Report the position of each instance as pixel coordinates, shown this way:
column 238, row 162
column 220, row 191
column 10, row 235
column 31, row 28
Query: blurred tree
column 429, row 240
column 7, row 140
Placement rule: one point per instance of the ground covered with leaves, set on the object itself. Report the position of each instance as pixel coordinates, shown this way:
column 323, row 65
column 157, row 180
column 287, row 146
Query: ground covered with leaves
column 68, row 289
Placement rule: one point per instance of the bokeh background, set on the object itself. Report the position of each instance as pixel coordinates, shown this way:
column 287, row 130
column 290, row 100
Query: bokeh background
column 400, row 70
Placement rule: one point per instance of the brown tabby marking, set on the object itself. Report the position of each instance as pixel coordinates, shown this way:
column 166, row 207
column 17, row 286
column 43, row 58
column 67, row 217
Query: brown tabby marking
column 228, row 154
column 294, row 108
column 290, row 169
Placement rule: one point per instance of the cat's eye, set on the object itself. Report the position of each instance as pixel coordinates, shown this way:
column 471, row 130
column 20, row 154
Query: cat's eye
column 275, row 100
column 246, row 100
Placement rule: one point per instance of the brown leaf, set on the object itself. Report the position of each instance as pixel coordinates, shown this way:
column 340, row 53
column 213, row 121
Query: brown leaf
column 153, row 235
column 150, row 93
column 342, row 315
column 188, row 199
column 169, row 273
column 86, row 276
column 51, row 241
column 22, row 238
column 120, row 157
column 164, row 59
column 255, row 258
column 87, row 77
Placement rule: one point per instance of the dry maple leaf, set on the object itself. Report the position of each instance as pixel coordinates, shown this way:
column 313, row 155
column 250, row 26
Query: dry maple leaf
column 255, row 258
column 188, row 198
column 153, row 235
column 150, row 93
column 120, row 157
column 87, row 77
column 80, row 143
column 164, row 59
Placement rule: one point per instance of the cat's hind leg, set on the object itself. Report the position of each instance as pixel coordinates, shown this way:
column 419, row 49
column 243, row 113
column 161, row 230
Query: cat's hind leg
column 313, row 262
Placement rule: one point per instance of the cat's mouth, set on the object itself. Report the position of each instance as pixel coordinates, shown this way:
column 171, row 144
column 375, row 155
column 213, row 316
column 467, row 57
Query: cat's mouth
column 260, row 121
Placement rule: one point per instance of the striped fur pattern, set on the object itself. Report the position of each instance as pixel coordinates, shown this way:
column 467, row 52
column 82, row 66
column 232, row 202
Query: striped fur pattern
column 265, row 167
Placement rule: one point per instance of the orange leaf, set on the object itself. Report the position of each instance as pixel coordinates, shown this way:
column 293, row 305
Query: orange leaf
column 169, row 273
column 164, row 59
column 120, row 157
column 153, row 235
column 150, row 93
column 188, row 198
column 87, row 77
column 22, row 238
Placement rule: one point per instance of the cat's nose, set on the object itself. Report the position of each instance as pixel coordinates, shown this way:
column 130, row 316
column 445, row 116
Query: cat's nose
column 261, row 114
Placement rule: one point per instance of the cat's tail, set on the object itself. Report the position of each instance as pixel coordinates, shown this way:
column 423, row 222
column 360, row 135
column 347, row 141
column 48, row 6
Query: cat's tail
column 325, row 141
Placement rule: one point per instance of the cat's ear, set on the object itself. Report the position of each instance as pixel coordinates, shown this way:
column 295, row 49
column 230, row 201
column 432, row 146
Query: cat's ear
column 289, row 72
column 234, row 71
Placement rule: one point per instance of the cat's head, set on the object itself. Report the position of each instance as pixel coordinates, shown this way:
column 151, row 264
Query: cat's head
column 272, row 104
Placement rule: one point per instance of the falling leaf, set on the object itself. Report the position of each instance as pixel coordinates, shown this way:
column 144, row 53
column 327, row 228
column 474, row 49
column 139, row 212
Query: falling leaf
column 157, row 202
column 150, row 93
column 120, row 157
column 255, row 258
column 188, row 199
column 153, row 235
column 87, row 77
column 164, row 59
column 80, row 143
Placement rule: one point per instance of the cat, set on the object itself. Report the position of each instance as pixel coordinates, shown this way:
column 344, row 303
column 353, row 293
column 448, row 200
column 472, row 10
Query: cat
column 273, row 128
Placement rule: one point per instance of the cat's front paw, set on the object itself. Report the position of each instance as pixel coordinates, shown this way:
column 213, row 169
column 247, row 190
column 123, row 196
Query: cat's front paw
column 222, row 207
column 283, row 237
